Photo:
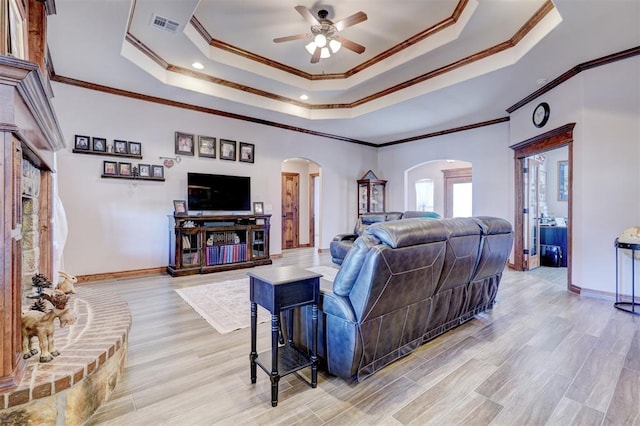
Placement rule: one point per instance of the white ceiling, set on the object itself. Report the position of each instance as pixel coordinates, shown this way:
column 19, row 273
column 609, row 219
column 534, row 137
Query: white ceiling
column 111, row 43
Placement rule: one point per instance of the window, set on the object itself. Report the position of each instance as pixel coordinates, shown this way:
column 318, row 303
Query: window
column 458, row 192
column 424, row 195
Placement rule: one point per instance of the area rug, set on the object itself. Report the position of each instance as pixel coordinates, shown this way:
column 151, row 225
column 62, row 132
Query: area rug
column 225, row 305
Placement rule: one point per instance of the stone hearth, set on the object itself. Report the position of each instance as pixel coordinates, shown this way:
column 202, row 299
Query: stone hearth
column 69, row 389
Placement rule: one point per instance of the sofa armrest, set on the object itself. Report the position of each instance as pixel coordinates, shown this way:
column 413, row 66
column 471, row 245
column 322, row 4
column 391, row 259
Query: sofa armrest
column 338, row 306
column 345, row 237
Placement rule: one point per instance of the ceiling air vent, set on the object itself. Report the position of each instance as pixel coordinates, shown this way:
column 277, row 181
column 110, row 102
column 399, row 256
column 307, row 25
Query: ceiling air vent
column 164, row 23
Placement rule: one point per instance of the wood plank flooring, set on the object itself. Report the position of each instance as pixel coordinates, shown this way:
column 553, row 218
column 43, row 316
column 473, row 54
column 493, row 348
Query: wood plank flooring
column 542, row 356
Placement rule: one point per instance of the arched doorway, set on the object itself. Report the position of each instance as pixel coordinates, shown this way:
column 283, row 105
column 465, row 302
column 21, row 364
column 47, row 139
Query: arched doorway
column 300, row 189
column 560, row 137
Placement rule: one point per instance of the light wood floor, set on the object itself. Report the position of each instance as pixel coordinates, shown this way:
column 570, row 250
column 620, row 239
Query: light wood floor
column 541, row 356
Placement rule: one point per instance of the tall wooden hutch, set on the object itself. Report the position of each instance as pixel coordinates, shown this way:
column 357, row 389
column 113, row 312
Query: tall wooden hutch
column 371, row 194
column 29, row 132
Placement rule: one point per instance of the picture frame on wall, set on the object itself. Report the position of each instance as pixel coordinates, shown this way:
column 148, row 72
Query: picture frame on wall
column 99, row 144
column 179, row 208
column 120, row 147
column 185, row 143
column 207, row 146
column 82, row 143
column 258, row 207
column 144, row 170
column 157, row 171
column 110, row 168
column 124, row 169
column 563, row 180
column 228, row 149
column 247, row 151
column 135, row 148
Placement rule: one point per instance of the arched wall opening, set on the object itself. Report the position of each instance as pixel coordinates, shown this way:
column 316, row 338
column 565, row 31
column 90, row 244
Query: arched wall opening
column 301, row 193
column 435, row 171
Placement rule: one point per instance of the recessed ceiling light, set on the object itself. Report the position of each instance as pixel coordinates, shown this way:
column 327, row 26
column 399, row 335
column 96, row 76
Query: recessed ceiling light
column 197, row 65
column 304, row 97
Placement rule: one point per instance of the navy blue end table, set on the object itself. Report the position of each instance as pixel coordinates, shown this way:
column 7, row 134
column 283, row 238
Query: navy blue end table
column 280, row 289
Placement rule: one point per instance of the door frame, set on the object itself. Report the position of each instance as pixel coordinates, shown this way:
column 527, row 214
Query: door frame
column 556, row 138
column 312, row 208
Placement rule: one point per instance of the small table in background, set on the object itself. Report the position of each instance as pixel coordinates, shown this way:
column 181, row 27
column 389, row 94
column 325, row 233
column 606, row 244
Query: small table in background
column 630, row 306
column 277, row 290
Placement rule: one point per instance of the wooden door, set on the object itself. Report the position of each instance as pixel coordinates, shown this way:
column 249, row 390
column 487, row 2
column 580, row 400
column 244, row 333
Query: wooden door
column 531, row 212
column 290, row 204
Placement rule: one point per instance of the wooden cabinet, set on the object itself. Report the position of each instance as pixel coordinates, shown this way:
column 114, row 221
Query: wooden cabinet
column 203, row 244
column 371, row 194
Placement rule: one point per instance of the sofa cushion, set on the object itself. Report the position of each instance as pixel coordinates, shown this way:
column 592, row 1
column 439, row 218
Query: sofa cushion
column 408, row 232
column 348, row 273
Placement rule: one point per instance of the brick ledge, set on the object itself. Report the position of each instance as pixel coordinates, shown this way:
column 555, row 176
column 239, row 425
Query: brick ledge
column 92, row 354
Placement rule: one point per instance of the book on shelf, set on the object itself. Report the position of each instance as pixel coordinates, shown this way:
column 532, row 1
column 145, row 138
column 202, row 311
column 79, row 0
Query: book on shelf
column 186, row 242
column 227, row 253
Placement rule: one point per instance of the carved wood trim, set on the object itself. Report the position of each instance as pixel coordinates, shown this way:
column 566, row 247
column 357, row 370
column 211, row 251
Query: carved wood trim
column 394, row 50
column 446, row 132
column 525, row 29
column 605, row 60
column 162, row 101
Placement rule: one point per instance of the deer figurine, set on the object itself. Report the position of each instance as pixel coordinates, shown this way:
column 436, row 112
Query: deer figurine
column 40, row 324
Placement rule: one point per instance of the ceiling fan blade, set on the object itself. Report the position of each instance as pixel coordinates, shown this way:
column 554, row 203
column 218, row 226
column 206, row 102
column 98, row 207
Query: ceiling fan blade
column 349, row 21
column 351, row 45
column 307, row 15
column 290, row 38
column 315, row 58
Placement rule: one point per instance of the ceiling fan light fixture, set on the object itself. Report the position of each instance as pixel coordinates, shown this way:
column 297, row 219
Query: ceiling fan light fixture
column 335, row 45
column 325, row 53
column 320, row 40
column 311, row 47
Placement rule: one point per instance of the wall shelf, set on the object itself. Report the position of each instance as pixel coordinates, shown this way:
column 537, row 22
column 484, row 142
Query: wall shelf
column 107, row 154
column 155, row 179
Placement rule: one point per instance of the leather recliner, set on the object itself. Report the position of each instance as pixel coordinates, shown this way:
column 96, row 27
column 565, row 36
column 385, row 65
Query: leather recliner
column 403, row 283
column 342, row 243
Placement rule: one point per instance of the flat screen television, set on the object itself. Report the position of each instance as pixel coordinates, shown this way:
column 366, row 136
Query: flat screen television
column 208, row 192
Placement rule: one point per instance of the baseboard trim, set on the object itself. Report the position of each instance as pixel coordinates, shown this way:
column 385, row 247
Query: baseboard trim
column 122, row 274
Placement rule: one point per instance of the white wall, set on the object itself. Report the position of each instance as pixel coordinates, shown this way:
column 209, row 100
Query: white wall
column 486, row 148
column 430, row 170
column 120, row 225
column 116, row 225
column 555, row 207
column 604, row 103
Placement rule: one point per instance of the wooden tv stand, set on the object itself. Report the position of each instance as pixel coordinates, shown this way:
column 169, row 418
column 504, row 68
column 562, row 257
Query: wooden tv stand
column 204, row 244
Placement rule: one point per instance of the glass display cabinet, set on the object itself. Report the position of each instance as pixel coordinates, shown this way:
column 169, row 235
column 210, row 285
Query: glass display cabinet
column 371, row 193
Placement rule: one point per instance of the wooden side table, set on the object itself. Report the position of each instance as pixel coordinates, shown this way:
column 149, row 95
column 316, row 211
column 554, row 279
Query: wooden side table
column 280, row 289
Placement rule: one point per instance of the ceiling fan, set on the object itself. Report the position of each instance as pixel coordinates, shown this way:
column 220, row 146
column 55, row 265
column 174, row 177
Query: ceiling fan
column 325, row 34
